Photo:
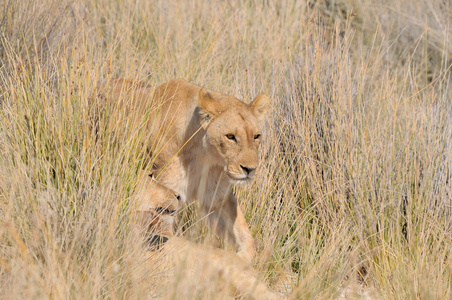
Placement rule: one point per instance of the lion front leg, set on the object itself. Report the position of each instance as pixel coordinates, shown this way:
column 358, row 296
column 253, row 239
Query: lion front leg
column 226, row 218
column 245, row 241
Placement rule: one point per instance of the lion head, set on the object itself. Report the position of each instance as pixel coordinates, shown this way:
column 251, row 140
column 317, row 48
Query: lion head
column 157, row 208
column 233, row 131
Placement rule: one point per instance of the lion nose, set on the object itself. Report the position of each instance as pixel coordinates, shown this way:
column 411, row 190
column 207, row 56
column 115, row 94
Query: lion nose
column 247, row 170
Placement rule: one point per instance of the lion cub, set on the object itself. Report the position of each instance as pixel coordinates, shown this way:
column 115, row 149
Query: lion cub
column 190, row 270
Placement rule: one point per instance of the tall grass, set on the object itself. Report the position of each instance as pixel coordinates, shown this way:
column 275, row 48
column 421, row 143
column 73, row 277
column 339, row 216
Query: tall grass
column 353, row 196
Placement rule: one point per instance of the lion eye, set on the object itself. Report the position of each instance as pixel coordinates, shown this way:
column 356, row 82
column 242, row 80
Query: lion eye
column 231, row 137
column 164, row 211
column 257, row 136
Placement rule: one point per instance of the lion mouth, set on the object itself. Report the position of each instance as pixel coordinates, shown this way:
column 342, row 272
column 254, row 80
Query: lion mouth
column 239, row 178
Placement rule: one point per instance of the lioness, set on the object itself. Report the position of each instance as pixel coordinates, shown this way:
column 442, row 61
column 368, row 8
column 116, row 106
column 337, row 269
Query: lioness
column 206, row 141
column 189, row 269
column 156, row 209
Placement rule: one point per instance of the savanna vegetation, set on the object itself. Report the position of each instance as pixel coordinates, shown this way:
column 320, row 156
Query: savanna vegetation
column 353, row 196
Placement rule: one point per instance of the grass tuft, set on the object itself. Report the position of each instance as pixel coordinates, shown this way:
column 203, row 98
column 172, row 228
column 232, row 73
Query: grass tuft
column 353, row 194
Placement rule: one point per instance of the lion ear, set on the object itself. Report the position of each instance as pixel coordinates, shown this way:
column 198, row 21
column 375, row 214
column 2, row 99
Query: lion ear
column 260, row 106
column 208, row 107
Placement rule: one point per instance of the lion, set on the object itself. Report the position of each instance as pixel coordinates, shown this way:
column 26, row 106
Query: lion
column 203, row 143
column 156, row 208
column 185, row 266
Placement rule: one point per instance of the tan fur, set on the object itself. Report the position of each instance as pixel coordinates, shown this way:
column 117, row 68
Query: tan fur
column 205, row 141
column 207, row 270
column 189, row 267
column 156, row 208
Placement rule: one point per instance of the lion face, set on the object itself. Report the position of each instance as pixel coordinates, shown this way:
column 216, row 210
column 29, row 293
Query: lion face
column 233, row 132
column 157, row 208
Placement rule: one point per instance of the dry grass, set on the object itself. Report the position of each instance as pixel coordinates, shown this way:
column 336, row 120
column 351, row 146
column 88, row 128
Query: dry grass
column 355, row 187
